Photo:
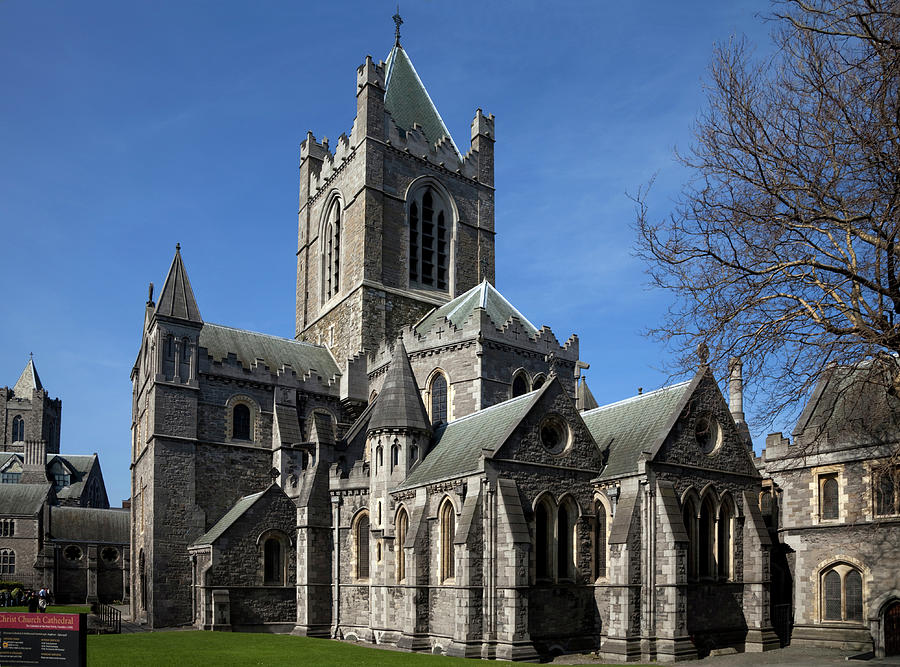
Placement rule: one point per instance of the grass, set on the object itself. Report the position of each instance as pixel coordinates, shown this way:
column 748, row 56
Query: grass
column 56, row 609
column 191, row 647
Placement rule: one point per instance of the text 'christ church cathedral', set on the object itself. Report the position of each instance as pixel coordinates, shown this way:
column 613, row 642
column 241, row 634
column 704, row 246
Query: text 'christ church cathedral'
column 422, row 466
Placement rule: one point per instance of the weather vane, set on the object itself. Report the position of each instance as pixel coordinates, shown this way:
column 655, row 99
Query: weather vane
column 397, row 21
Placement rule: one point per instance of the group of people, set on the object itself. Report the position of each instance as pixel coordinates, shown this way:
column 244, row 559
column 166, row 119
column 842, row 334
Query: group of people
column 36, row 601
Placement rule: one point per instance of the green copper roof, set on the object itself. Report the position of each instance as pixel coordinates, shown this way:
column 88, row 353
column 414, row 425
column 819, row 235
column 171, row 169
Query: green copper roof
column 456, row 446
column 632, row 426
column 461, row 308
column 407, row 100
column 230, row 517
column 247, row 346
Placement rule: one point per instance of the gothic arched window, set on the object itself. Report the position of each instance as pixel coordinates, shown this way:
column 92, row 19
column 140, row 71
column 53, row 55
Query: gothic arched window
column 565, row 541
column 362, row 546
column 600, row 523
column 438, row 399
column 448, row 535
column 689, row 515
column 519, row 385
column 429, row 239
column 724, row 540
column 402, row 527
column 828, row 497
column 331, row 251
column 240, row 422
column 842, row 593
column 273, row 561
column 706, row 538
column 543, row 538
column 18, row 428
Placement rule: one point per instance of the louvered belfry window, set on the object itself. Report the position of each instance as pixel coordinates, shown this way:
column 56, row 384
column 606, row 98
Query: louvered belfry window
column 331, row 255
column 429, row 240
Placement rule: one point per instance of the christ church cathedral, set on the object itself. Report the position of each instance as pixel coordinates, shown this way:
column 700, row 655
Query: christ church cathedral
column 421, row 465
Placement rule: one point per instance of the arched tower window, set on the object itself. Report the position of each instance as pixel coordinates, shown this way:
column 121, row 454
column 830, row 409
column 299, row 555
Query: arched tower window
column 538, row 382
column 519, row 384
column 18, row 433
column 240, row 422
column 438, row 399
column 362, row 546
column 331, row 251
column 448, row 534
column 429, row 239
column 400, row 536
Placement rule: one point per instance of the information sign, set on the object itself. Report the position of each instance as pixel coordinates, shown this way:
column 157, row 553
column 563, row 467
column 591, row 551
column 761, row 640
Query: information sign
column 43, row 639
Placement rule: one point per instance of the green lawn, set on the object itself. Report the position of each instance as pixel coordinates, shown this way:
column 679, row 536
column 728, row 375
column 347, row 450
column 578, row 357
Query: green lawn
column 57, row 609
column 187, row 648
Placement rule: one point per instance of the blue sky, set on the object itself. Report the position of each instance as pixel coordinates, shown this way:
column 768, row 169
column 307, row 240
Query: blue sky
column 126, row 127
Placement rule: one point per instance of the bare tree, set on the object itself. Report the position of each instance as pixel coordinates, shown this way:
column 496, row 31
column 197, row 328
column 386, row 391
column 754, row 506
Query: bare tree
column 783, row 247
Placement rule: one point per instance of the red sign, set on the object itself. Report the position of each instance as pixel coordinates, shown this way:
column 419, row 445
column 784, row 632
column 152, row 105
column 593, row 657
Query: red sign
column 43, row 639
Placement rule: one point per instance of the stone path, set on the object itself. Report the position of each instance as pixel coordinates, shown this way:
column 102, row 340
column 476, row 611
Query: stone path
column 793, row 656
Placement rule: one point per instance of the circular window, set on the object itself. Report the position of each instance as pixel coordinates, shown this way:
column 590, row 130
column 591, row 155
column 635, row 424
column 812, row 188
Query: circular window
column 110, row 554
column 555, row 434
column 72, row 553
column 708, row 434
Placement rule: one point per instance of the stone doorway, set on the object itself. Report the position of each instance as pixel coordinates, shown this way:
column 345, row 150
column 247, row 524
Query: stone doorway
column 892, row 629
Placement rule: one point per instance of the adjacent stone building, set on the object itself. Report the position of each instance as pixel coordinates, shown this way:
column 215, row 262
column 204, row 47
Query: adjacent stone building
column 832, row 499
column 422, row 466
column 56, row 528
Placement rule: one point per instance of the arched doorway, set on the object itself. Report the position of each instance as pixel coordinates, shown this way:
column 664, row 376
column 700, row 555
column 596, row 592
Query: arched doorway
column 892, row 629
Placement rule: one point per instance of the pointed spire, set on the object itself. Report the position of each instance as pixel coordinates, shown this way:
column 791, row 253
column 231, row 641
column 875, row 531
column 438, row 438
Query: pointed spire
column 406, row 99
column 177, row 298
column 399, row 405
column 28, row 381
column 584, row 399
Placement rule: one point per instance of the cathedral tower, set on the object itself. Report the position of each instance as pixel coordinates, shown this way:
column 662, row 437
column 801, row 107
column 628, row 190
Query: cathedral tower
column 394, row 220
column 27, row 413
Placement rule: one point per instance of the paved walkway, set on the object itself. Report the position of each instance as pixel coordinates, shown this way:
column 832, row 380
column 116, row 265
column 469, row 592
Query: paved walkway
column 794, row 656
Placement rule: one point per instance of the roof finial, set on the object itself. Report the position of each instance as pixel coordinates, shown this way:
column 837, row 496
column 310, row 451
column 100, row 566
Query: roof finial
column 31, row 356
column 397, row 22
column 177, row 247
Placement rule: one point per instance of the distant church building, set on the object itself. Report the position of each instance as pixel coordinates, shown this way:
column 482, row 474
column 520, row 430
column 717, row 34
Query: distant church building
column 56, row 528
column 422, row 466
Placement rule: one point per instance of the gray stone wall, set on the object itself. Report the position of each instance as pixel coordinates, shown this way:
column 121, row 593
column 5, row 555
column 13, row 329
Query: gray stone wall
column 25, row 545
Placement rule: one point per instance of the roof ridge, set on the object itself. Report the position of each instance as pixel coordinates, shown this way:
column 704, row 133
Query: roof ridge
column 267, row 335
column 634, row 399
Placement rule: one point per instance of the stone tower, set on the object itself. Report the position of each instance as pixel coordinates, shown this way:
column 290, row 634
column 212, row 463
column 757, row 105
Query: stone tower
column 164, row 515
column 27, row 413
column 394, row 220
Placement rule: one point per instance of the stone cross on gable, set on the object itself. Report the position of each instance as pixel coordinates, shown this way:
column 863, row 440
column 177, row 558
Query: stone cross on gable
column 439, row 331
column 274, row 474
